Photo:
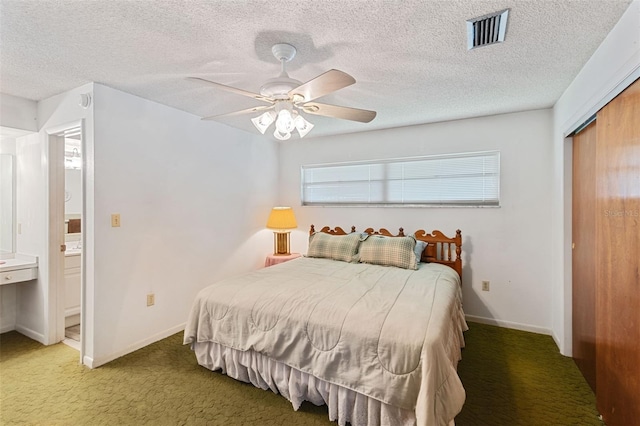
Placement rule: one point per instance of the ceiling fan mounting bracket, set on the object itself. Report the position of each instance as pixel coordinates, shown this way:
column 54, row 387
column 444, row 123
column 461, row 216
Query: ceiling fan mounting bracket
column 283, row 52
column 279, row 87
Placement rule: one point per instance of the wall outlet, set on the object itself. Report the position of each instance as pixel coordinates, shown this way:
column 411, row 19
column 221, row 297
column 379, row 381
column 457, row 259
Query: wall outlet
column 115, row 220
column 485, row 285
column 151, row 299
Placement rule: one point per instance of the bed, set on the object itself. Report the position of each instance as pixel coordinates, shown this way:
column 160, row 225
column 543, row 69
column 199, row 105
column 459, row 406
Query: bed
column 358, row 324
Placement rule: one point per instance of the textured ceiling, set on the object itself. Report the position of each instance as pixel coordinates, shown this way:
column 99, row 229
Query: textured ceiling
column 409, row 58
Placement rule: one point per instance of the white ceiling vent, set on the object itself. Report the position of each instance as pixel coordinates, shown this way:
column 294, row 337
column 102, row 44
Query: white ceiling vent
column 487, row 29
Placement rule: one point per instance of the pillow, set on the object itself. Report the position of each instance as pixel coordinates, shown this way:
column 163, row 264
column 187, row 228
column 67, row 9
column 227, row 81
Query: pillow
column 389, row 251
column 336, row 247
column 420, row 246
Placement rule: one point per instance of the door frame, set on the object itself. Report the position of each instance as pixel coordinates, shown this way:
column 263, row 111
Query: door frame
column 54, row 305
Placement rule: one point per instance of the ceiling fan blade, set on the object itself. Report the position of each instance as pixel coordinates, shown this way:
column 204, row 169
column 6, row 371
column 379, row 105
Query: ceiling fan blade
column 241, row 112
column 346, row 113
column 323, row 84
column 232, row 89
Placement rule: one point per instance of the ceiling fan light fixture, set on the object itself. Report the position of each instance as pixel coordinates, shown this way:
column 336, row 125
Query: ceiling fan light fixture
column 262, row 122
column 303, row 126
column 284, row 122
column 281, row 136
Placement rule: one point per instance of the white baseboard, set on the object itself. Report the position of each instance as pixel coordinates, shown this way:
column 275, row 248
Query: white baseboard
column 97, row 362
column 7, row 327
column 38, row 337
column 88, row 361
column 72, row 320
column 509, row 324
column 72, row 311
column 557, row 340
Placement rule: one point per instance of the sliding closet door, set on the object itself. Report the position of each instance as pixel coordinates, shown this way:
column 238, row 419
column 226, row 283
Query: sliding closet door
column 618, row 253
column 584, row 250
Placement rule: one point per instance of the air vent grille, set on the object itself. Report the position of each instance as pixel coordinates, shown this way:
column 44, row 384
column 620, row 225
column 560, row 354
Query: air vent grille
column 486, row 30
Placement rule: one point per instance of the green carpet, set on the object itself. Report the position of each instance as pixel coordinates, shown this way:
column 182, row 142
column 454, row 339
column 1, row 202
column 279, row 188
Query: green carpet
column 517, row 378
column 511, row 378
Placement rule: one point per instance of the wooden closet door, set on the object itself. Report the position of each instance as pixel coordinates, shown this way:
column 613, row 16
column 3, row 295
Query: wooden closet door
column 618, row 265
column 584, row 253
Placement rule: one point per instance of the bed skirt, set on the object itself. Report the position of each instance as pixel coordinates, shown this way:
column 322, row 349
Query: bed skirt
column 345, row 405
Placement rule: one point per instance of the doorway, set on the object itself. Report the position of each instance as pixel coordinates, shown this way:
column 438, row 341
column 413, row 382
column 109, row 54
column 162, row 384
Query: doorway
column 66, row 203
column 73, row 236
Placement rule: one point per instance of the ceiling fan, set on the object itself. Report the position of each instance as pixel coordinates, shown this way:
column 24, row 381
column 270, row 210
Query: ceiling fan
column 287, row 98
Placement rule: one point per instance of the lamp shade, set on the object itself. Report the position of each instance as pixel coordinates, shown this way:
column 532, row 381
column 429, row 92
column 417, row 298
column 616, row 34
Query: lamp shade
column 282, row 218
column 303, row 126
column 263, row 121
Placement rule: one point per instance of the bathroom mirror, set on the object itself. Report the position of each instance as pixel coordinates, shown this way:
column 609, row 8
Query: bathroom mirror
column 73, row 185
column 7, row 204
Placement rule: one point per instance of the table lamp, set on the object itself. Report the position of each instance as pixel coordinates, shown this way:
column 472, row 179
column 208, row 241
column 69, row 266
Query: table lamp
column 282, row 221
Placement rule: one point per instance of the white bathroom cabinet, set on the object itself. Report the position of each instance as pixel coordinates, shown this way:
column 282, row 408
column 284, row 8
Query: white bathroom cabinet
column 72, row 289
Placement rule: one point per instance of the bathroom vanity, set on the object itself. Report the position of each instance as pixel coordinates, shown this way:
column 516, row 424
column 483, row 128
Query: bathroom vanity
column 19, row 269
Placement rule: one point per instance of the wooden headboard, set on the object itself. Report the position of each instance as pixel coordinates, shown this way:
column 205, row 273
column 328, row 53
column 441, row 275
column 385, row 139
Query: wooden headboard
column 440, row 248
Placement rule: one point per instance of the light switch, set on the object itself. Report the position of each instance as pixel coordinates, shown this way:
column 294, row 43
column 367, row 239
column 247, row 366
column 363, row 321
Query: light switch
column 115, row 220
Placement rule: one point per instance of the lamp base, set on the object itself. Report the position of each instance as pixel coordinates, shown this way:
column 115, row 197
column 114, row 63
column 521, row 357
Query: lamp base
column 281, row 243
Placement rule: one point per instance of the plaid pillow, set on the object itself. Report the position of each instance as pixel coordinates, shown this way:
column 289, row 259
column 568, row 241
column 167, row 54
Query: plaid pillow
column 336, row 247
column 389, row 251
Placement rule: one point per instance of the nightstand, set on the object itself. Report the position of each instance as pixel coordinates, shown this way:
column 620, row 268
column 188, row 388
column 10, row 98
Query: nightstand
column 274, row 259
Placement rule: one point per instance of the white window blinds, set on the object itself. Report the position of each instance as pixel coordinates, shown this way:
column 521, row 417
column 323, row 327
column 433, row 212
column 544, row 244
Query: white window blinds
column 467, row 179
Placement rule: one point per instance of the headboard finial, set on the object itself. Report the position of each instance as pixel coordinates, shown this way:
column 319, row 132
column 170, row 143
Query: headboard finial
column 312, row 230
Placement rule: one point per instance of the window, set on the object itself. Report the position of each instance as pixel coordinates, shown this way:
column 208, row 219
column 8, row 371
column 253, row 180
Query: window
column 468, row 179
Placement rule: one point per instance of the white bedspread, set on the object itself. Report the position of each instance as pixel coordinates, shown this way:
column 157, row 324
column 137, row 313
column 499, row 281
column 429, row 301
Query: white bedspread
column 391, row 334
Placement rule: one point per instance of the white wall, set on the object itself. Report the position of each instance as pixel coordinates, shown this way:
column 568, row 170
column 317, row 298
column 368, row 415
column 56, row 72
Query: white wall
column 7, row 292
column 72, row 185
column 35, row 312
column 508, row 245
column 31, row 219
column 193, row 195
column 18, row 113
column 193, row 198
column 614, row 65
column 15, row 113
column 8, row 146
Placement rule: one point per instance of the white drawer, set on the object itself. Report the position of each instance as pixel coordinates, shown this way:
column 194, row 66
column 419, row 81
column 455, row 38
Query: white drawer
column 18, row 275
